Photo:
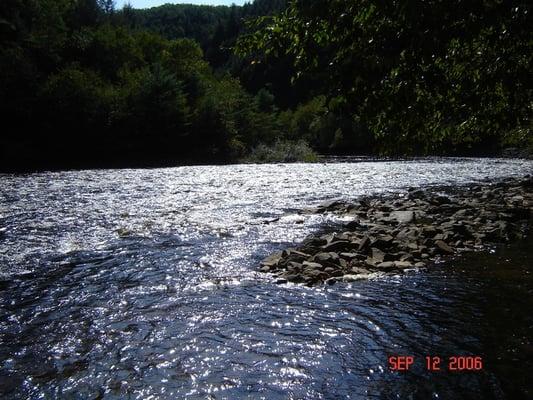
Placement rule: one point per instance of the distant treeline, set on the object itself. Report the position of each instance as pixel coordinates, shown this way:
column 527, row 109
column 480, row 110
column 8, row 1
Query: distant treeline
column 83, row 84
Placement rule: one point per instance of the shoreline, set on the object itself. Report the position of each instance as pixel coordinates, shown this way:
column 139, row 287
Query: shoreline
column 322, row 159
column 391, row 234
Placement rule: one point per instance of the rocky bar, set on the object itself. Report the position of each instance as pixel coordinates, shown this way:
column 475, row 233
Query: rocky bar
column 394, row 233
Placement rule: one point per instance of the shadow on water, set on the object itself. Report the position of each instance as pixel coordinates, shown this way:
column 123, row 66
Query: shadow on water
column 481, row 306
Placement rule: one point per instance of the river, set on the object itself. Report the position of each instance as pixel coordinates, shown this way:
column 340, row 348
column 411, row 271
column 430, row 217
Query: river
column 143, row 284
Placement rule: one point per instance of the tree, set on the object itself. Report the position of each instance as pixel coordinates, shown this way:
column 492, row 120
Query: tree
column 423, row 76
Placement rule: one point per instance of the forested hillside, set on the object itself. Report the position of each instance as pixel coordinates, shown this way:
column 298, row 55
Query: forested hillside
column 85, row 84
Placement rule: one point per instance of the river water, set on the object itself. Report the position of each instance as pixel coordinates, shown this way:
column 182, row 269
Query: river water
column 143, row 284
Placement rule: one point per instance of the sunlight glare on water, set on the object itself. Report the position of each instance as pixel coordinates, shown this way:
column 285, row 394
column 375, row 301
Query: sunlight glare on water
column 139, row 283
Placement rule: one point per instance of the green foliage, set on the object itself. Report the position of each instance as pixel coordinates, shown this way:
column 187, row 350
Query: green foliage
column 231, row 120
column 80, row 85
column 282, row 152
column 423, row 76
column 85, row 84
column 157, row 109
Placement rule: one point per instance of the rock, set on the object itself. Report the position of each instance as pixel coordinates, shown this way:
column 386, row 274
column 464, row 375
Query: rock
column 323, row 257
column 406, row 257
column 364, row 243
column 412, row 246
column 403, row 264
column 313, row 242
column 443, row 247
column 290, row 252
column 383, row 242
column 438, row 236
column 359, row 270
column 296, row 278
column 407, row 233
column 337, row 245
column 386, row 265
column 342, row 236
column 333, row 271
column 441, row 200
column 272, row 261
column 349, row 256
column 353, row 225
column 330, row 205
column 314, row 275
column 397, row 233
column 294, row 266
column 353, row 277
column 377, row 255
column 308, row 265
column 403, row 217
column 416, row 194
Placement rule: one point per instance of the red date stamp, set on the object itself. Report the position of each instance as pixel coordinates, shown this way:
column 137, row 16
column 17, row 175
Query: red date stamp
column 435, row 363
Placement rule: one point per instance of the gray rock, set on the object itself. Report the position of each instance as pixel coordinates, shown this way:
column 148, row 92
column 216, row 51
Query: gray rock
column 378, row 256
column 322, row 257
column 383, row 241
column 364, row 243
column 403, row 217
column 293, row 252
column 272, row 261
column 330, row 205
column 337, row 245
column 403, row 264
column 294, row 266
column 353, row 225
column 442, row 200
column 416, row 194
column 354, row 277
column 386, row 265
column 444, row 247
column 359, row 270
column 308, row 265
column 349, row 256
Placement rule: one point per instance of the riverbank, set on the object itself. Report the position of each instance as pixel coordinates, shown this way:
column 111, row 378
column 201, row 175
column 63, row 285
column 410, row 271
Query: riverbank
column 411, row 230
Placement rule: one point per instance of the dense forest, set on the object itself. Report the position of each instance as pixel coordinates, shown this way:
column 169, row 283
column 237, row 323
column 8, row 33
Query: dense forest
column 85, row 84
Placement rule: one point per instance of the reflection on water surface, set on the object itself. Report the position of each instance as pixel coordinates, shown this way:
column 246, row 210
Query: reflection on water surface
column 139, row 283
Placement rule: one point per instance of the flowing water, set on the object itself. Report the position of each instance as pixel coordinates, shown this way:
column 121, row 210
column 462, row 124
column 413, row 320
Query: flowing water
column 142, row 284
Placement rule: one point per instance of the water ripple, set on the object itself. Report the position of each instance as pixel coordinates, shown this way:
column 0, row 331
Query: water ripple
column 142, row 284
